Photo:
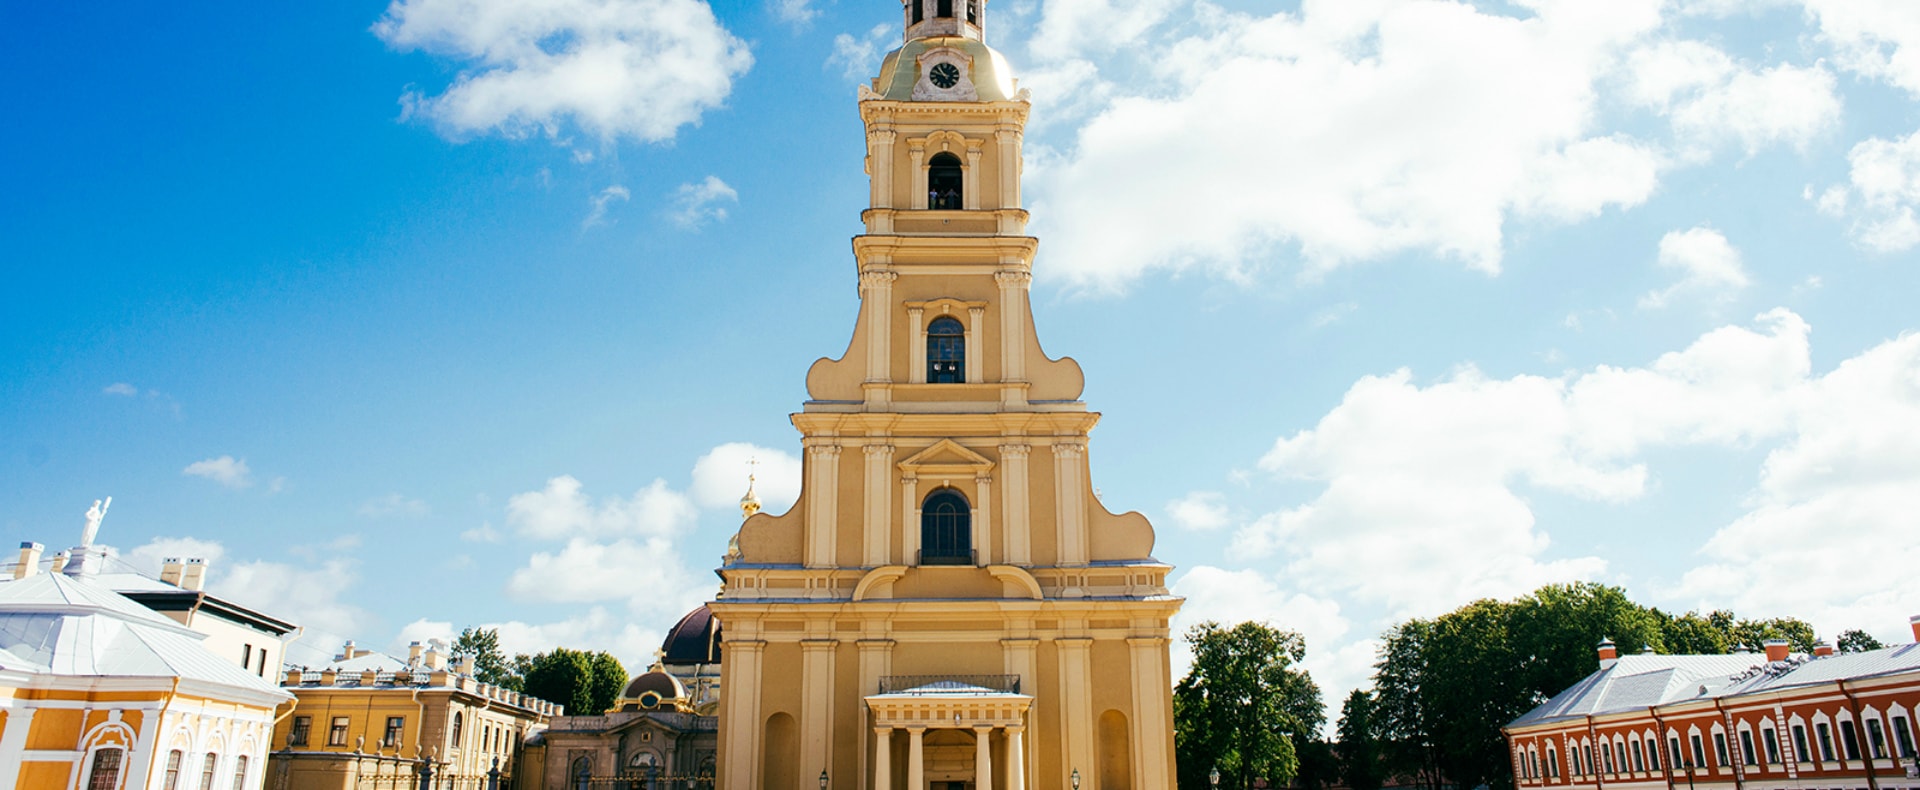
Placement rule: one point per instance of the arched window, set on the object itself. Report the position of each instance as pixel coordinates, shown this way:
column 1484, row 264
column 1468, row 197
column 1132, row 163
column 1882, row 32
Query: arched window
column 973, row 11
column 207, row 767
column 944, row 183
column 171, row 780
column 946, row 351
column 919, row 10
column 946, row 529
column 582, row 774
column 457, row 722
column 240, row 773
column 104, row 774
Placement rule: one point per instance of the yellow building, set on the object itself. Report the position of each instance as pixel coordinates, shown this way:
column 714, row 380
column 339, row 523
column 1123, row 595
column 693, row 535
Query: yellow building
column 372, row 718
column 947, row 605
column 100, row 692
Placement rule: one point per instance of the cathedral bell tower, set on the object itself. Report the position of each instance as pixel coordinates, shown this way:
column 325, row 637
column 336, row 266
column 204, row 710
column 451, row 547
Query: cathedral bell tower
column 947, row 606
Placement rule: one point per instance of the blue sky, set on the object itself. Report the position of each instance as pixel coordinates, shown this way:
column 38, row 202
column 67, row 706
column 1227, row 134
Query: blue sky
column 465, row 312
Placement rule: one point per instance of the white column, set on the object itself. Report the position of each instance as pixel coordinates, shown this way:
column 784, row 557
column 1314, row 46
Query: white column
column 919, row 197
column 876, row 660
column 816, row 705
column 879, row 497
column 881, row 164
column 1013, row 462
column 976, row 359
column 1013, row 312
column 1016, row 759
column 740, row 730
column 876, row 296
column 1009, row 138
column 1076, row 703
column 1152, row 763
column 910, row 520
column 1071, row 515
column 972, row 177
column 916, row 759
column 983, row 522
column 916, row 345
column 882, row 758
column 823, row 472
column 982, row 758
column 13, row 742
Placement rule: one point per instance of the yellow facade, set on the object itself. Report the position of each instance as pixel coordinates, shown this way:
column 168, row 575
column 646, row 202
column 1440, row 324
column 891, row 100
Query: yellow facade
column 947, row 605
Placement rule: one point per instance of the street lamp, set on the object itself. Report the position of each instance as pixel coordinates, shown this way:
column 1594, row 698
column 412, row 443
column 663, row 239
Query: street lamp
column 823, row 779
column 1689, row 767
column 1213, row 776
column 1076, row 779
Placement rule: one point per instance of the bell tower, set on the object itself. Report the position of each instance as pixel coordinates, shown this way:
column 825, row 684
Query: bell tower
column 947, row 606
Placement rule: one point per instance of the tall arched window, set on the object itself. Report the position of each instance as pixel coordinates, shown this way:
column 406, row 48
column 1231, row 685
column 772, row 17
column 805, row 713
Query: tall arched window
column 946, row 529
column 945, row 187
column 946, row 351
column 582, row 774
column 171, row 779
column 457, row 722
column 104, row 774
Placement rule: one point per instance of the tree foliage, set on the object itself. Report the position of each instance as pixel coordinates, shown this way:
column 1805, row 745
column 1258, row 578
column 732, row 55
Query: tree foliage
column 489, row 664
column 1245, row 707
column 1362, row 762
column 1857, row 641
column 1444, row 687
column 587, row 683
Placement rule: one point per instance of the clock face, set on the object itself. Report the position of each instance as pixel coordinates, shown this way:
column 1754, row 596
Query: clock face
column 944, row 75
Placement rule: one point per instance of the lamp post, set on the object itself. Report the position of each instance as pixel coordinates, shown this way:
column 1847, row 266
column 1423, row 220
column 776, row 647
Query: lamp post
column 1689, row 767
column 1213, row 777
column 1076, row 779
column 823, row 779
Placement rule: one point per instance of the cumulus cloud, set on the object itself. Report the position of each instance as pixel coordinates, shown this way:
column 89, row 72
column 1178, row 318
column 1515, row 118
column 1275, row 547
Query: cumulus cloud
column 149, row 556
column 1883, row 189
column 798, row 13
column 1201, row 511
column 224, row 470
column 720, row 477
column 561, row 510
column 699, row 203
column 648, row 573
column 1229, row 597
column 860, row 57
column 1874, row 38
column 637, row 69
column 1711, row 100
column 1707, row 263
column 394, row 505
column 307, row 594
column 597, row 205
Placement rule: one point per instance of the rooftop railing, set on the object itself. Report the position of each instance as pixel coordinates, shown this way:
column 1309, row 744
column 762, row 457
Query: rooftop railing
column 949, row 684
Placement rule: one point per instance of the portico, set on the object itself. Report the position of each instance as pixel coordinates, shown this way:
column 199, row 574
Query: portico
column 936, row 709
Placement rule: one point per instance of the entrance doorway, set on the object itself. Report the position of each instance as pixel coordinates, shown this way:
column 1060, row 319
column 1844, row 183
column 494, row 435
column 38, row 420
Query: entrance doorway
column 950, row 786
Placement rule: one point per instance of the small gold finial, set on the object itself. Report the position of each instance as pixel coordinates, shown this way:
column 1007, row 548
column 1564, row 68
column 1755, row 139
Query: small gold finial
column 750, row 503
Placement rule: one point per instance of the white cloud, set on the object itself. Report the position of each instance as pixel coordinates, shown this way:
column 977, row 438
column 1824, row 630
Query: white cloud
column 394, row 504
column 1231, row 597
column 1075, row 28
column 595, row 629
column 638, row 69
column 223, row 470
column 1712, row 100
column 860, row 57
column 1708, row 265
column 485, row 533
column 597, row 214
column 649, row 573
column 1201, row 511
column 148, row 557
column 1883, row 190
column 720, row 477
column 1415, row 126
column 307, row 594
column 798, row 13
column 698, row 204
column 1875, row 38
column 561, row 511
column 121, row 388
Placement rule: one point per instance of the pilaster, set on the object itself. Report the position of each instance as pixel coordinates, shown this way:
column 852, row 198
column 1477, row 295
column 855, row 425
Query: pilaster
column 1152, row 709
column 879, row 499
column 740, row 728
column 876, row 661
column 976, row 361
column 916, row 345
column 910, row 520
column 823, row 491
column 876, row 295
column 880, row 164
column 1072, row 510
column 816, row 705
column 918, row 151
column 983, row 522
column 1013, row 465
column 1076, row 701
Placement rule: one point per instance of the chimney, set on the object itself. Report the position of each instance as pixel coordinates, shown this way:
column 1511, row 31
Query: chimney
column 1915, row 622
column 59, row 563
column 431, row 659
column 459, row 665
column 30, row 565
column 346, row 652
column 193, row 576
column 1777, row 649
column 170, row 571
column 413, row 654
column 1609, row 654
column 1822, row 649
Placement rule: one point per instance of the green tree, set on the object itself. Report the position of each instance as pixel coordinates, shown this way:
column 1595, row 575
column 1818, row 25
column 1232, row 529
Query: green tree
column 1243, row 706
column 1400, row 705
column 1362, row 763
column 489, row 664
column 587, row 683
column 1691, row 634
column 1857, row 641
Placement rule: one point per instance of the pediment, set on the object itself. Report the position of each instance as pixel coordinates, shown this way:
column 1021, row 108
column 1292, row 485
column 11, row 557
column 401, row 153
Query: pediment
column 946, row 457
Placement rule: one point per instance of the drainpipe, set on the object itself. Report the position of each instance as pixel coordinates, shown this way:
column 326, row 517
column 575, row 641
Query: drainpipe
column 1599, row 776
column 1733, row 732
column 1660, row 737
column 1859, row 735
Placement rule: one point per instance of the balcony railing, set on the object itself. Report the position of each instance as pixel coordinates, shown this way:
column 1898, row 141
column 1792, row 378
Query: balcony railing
column 949, row 684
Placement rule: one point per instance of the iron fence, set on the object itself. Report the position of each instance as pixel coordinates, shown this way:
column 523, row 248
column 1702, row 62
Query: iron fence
column 935, row 684
column 641, row 781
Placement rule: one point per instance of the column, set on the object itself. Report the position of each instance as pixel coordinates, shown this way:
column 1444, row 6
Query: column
column 910, row 520
column 816, row 705
column 1013, row 318
column 972, row 175
column 881, row 165
column 916, row 345
column 1013, row 464
column 1016, row 758
column 1008, row 136
column 1152, row 730
column 916, row 759
column 879, row 500
column 822, row 486
column 1072, row 512
column 882, row 758
column 983, row 522
column 876, row 296
column 876, row 660
column 740, row 730
column 976, row 358
column 917, row 149
column 1076, row 702
column 982, row 759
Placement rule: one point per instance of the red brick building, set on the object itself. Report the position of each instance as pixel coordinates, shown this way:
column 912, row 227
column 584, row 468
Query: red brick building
column 1733, row 722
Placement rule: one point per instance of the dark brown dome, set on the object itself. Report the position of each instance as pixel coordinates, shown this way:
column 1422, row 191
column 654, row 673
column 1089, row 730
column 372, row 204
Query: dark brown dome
column 693, row 640
column 663, row 687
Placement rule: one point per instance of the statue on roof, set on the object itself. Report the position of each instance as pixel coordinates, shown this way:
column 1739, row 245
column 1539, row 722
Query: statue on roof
column 95, row 515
